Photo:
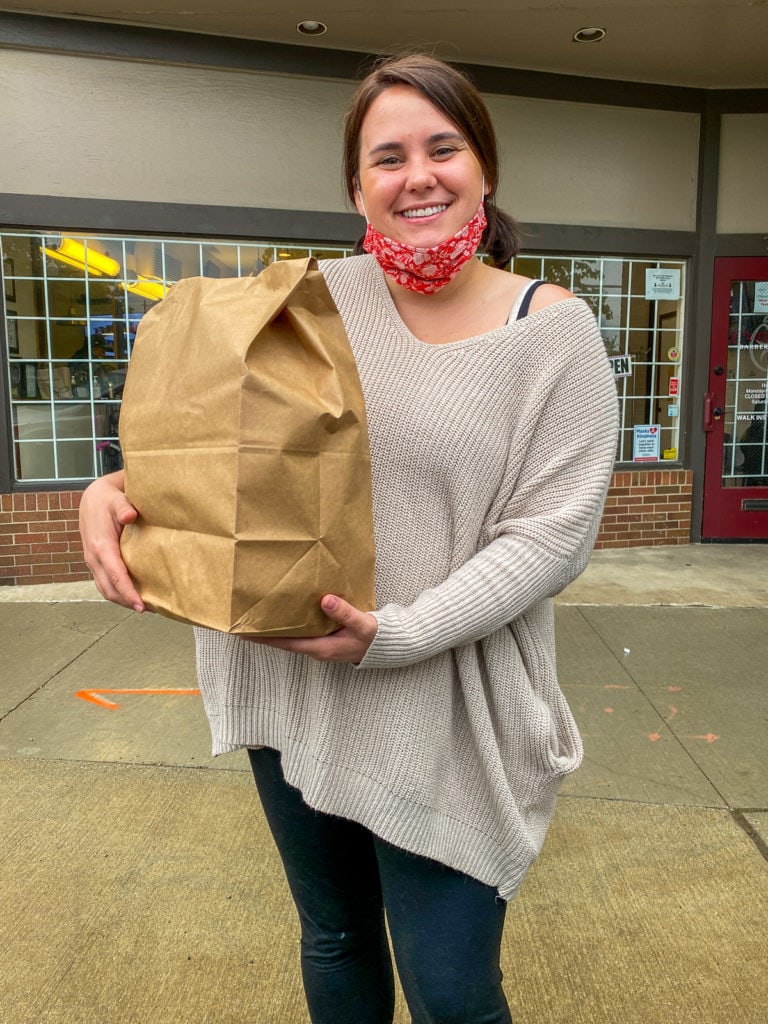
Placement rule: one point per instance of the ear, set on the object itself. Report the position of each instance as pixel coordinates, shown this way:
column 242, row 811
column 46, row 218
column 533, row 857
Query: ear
column 358, row 197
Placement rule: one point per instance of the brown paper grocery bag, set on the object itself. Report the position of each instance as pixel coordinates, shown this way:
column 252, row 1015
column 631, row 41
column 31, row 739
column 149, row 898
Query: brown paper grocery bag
column 246, row 452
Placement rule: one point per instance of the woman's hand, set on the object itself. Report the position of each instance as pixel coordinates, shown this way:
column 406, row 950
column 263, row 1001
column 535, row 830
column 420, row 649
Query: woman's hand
column 104, row 511
column 349, row 643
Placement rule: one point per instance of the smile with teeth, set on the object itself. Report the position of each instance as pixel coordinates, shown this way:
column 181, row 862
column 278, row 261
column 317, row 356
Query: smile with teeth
column 426, row 211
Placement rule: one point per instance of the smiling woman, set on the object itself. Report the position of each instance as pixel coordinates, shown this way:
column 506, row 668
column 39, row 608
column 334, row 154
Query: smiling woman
column 416, row 191
column 421, row 165
column 417, row 176
column 408, row 762
column 461, row 124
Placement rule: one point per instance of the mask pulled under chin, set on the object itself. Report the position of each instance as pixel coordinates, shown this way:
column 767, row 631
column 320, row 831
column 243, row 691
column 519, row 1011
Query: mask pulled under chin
column 426, row 270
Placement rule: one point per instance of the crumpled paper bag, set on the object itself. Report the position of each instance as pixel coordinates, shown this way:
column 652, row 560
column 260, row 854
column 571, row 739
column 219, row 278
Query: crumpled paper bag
column 246, row 453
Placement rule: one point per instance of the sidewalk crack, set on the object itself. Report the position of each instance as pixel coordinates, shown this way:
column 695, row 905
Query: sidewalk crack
column 96, row 639
column 743, row 822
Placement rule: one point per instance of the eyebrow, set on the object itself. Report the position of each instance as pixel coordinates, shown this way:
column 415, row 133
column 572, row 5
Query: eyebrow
column 439, row 137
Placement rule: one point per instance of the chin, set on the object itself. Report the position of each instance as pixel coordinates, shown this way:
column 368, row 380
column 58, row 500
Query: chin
column 424, row 238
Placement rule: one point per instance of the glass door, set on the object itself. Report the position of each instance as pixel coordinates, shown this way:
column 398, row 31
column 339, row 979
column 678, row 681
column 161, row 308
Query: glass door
column 736, row 404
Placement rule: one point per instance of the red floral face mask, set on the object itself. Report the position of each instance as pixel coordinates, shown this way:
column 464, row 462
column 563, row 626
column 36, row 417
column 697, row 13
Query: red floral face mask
column 426, row 270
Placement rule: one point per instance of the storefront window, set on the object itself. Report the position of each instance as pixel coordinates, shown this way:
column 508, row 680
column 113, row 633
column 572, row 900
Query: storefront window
column 638, row 304
column 72, row 306
column 73, row 303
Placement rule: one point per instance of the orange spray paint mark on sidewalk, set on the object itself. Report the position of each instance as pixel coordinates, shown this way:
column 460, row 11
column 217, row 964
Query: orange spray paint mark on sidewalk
column 94, row 696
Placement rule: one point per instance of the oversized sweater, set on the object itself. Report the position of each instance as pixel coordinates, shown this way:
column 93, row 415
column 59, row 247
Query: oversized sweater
column 490, row 461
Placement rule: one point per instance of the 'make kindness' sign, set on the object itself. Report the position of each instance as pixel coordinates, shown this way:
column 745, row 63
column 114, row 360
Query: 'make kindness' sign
column 646, row 443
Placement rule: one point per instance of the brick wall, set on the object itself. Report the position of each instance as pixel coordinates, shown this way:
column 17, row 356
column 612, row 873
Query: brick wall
column 646, row 508
column 40, row 543
column 39, row 539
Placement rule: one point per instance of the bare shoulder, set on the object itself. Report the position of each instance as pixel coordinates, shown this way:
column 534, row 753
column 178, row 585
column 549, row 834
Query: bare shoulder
column 548, row 295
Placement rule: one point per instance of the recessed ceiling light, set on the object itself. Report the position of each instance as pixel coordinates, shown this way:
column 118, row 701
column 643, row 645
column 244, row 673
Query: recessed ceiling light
column 589, row 35
column 311, row 28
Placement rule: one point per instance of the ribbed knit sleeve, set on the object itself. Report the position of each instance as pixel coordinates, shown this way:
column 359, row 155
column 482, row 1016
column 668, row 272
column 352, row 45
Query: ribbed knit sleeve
column 548, row 508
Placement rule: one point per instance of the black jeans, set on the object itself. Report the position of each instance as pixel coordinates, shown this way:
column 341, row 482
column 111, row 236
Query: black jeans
column 446, row 927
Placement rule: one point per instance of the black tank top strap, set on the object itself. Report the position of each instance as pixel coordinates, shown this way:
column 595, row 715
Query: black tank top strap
column 526, row 303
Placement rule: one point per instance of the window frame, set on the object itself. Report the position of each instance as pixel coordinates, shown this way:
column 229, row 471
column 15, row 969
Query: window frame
column 171, row 266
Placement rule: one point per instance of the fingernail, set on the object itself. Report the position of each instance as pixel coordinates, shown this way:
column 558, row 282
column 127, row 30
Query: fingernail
column 138, row 608
column 330, row 602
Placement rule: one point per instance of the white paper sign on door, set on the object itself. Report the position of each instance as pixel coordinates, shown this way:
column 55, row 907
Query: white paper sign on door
column 646, row 447
column 662, row 284
column 761, row 297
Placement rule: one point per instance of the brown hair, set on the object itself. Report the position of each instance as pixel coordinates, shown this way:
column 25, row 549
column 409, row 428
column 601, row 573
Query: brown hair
column 454, row 95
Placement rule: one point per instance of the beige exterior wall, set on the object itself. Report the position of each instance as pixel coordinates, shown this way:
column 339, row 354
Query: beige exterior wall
column 743, row 185
column 88, row 127
column 577, row 163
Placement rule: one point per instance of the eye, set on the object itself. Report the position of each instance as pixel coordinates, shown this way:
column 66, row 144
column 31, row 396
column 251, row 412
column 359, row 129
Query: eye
column 391, row 160
column 443, row 151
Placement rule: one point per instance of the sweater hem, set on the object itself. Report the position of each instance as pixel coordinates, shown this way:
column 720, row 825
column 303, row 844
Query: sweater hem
column 411, row 826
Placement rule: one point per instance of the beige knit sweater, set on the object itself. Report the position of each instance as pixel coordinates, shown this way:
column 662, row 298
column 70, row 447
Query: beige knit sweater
column 491, row 457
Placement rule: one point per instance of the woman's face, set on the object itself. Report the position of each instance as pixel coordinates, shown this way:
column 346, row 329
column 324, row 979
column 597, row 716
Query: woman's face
column 420, row 181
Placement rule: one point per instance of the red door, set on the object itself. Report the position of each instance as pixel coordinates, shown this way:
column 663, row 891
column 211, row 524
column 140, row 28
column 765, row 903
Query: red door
column 736, row 404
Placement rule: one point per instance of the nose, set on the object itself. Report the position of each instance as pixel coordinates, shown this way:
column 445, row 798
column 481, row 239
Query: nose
column 420, row 176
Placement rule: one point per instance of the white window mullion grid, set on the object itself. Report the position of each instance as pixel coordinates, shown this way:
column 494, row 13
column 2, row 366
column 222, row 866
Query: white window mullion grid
column 629, row 397
column 270, row 253
column 49, row 350
column 736, row 379
column 654, row 391
column 91, row 375
column 743, row 302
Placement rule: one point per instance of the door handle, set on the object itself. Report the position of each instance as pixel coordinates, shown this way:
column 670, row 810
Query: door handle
column 712, row 412
column 709, row 399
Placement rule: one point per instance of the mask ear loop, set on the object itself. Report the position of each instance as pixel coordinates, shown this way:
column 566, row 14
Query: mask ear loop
column 362, row 201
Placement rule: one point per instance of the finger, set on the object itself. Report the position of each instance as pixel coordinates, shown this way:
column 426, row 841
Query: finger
column 127, row 593
column 340, row 611
column 125, row 512
column 341, row 646
column 347, row 616
column 104, row 558
column 104, row 511
column 312, row 647
column 114, row 583
column 116, row 567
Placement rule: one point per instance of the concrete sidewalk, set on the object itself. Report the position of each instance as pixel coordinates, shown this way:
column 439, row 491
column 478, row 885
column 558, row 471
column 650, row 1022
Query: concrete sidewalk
column 140, row 885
